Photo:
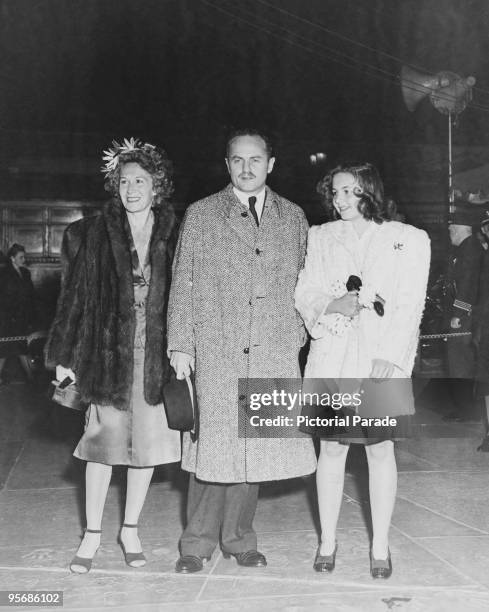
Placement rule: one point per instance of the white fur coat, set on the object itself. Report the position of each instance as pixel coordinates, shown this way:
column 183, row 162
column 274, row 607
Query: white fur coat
column 394, row 265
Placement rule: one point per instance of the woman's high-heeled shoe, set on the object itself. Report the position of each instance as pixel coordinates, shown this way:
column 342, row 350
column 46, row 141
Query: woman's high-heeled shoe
column 133, row 559
column 325, row 563
column 82, row 565
column 381, row 568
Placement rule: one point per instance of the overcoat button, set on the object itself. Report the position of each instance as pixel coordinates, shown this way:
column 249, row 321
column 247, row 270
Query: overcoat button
column 244, row 214
column 258, row 252
column 242, row 397
column 246, row 351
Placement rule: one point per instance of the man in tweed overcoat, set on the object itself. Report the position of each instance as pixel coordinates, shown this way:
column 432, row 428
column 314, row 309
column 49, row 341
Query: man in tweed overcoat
column 231, row 315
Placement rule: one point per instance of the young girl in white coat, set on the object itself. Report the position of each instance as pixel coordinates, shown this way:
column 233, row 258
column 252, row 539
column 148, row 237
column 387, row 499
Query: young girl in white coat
column 369, row 332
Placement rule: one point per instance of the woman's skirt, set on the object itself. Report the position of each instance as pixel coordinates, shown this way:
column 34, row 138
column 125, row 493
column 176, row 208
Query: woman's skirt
column 346, row 426
column 358, row 411
column 136, row 437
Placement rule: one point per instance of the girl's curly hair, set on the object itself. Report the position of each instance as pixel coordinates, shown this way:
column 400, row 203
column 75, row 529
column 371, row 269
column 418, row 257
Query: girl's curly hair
column 373, row 205
column 154, row 160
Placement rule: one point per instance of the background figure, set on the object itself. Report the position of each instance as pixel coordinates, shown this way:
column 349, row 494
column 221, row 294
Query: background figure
column 481, row 333
column 351, row 340
column 18, row 312
column 109, row 333
column 462, row 277
column 231, row 313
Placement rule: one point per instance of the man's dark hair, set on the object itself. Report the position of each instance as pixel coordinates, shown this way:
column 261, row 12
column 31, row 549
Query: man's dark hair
column 249, row 132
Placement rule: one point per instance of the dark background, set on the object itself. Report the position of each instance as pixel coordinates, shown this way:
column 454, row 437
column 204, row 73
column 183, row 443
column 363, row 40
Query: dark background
column 318, row 75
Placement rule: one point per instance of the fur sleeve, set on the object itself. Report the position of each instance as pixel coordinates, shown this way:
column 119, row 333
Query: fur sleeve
column 61, row 342
column 311, row 299
column 400, row 340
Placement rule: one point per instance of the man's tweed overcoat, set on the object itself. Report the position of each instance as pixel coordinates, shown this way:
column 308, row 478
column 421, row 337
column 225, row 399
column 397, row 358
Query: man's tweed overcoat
column 232, row 307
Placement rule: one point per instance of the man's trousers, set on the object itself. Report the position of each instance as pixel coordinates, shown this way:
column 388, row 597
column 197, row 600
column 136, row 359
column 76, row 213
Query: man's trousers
column 215, row 509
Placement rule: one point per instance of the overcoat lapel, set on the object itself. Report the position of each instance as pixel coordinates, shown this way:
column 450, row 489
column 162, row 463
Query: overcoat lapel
column 248, row 232
column 271, row 212
column 232, row 209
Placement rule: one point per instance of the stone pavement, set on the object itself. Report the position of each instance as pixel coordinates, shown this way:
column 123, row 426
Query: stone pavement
column 439, row 537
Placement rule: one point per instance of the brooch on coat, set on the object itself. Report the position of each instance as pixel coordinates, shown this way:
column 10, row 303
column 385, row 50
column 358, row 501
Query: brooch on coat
column 398, row 246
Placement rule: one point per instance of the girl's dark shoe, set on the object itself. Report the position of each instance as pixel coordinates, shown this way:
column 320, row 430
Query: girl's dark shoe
column 381, row 568
column 325, row 563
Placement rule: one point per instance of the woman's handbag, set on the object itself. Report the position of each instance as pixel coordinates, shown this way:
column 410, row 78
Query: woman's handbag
column 181, row 408
column 66, row 394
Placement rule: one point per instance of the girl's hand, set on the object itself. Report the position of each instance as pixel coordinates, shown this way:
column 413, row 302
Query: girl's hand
column 346, row 305
column 62, row 373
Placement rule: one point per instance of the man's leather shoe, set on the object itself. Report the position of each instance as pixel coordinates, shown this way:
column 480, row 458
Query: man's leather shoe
column 188, row 564
column 250, row 558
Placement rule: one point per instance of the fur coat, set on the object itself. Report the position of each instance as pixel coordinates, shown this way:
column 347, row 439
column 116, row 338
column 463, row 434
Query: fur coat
column 394, row 264
column 93, row 331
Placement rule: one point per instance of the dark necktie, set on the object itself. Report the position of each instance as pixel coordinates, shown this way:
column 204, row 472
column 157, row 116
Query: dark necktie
column 252, row 202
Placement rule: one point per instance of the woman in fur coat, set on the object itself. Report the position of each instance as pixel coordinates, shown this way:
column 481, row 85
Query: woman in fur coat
column 361, row 295
column 109, row 335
